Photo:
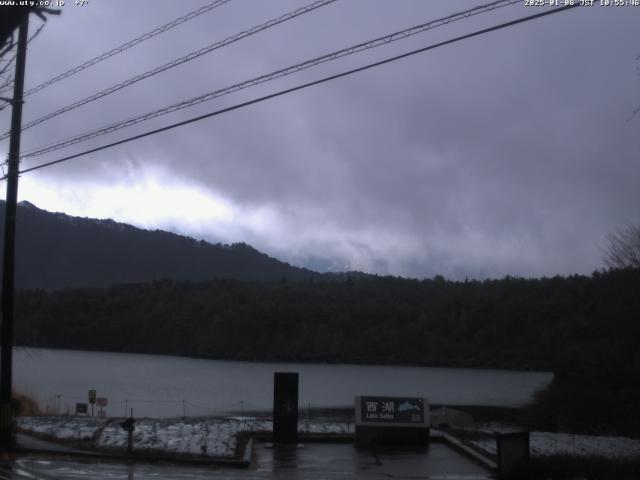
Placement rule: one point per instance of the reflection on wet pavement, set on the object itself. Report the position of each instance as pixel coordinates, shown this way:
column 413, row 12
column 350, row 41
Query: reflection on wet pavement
column 310, row 461
column 345, row 461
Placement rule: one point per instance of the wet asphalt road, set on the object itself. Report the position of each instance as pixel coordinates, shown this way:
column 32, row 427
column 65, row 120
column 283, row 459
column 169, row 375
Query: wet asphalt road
column 311, row 461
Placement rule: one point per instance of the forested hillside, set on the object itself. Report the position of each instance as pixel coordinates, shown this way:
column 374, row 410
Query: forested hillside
column 54, row 250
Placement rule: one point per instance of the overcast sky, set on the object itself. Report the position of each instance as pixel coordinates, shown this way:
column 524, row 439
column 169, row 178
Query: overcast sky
column 509, row 153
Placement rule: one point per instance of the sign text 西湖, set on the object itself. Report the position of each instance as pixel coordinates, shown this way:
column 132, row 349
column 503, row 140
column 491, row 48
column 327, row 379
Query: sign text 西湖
column 392, row 410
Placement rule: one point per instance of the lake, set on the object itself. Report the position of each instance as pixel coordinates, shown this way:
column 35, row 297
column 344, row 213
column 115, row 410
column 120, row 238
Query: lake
column 165, row 386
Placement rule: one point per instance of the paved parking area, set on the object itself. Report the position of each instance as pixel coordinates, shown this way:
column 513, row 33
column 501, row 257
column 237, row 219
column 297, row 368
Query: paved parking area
column 345, row 461
column 310, row 461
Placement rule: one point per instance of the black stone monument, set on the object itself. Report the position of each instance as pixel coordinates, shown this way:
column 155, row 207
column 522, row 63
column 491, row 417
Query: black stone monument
column 285, row 408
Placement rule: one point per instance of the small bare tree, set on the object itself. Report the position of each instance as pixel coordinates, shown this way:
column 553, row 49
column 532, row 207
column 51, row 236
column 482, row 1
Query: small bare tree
column 623, row 248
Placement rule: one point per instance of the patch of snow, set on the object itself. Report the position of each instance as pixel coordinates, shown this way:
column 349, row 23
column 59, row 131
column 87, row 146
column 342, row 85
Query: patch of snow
column 325, row 427
column 211, row 437
column 544, row 444
column 64, row 428
column 498, row 427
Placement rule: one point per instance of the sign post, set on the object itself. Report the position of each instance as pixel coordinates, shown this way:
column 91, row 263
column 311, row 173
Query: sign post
column 392, row 420
column 101, row 402
column 92, row 399
column 129, row 425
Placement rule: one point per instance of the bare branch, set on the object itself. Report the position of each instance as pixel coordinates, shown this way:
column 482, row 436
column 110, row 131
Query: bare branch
column 623, row 248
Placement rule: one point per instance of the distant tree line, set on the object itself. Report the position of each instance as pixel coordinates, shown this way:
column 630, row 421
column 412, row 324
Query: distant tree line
column 586, row 329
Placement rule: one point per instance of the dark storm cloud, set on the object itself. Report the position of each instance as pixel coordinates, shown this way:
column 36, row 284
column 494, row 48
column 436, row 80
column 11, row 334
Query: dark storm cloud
column 505, row 154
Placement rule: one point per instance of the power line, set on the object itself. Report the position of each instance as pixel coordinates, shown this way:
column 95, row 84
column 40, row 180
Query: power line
column 127, row 45
column 179, row 61
column 273, row 75
column 303, row 86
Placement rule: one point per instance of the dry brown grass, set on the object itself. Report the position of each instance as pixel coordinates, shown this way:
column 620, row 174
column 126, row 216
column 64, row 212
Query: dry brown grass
column 23, row 404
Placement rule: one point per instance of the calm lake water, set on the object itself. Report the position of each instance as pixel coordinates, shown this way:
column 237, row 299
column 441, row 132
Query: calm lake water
column 165, row 386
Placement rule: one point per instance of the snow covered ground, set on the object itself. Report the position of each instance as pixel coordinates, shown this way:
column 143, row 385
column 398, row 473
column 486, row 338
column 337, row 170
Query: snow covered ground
column 63, row 428
column 211, row 437
column 216, row 437
column 548, row 443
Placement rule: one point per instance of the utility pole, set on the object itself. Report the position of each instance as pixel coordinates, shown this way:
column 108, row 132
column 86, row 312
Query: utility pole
column 8, row 265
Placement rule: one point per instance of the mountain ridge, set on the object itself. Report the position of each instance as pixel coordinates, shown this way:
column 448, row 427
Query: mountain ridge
column 55, row 250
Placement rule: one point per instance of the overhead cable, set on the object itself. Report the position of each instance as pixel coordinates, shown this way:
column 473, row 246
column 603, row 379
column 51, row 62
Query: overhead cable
column 271, row 76
column 300, row 87
column 127, row 45
column 178, row 61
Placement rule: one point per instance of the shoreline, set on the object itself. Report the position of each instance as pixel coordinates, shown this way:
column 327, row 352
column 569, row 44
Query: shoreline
column 291, row 362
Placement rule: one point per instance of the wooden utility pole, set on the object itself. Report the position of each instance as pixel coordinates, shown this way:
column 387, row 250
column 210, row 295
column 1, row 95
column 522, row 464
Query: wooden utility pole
column 8, row 265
